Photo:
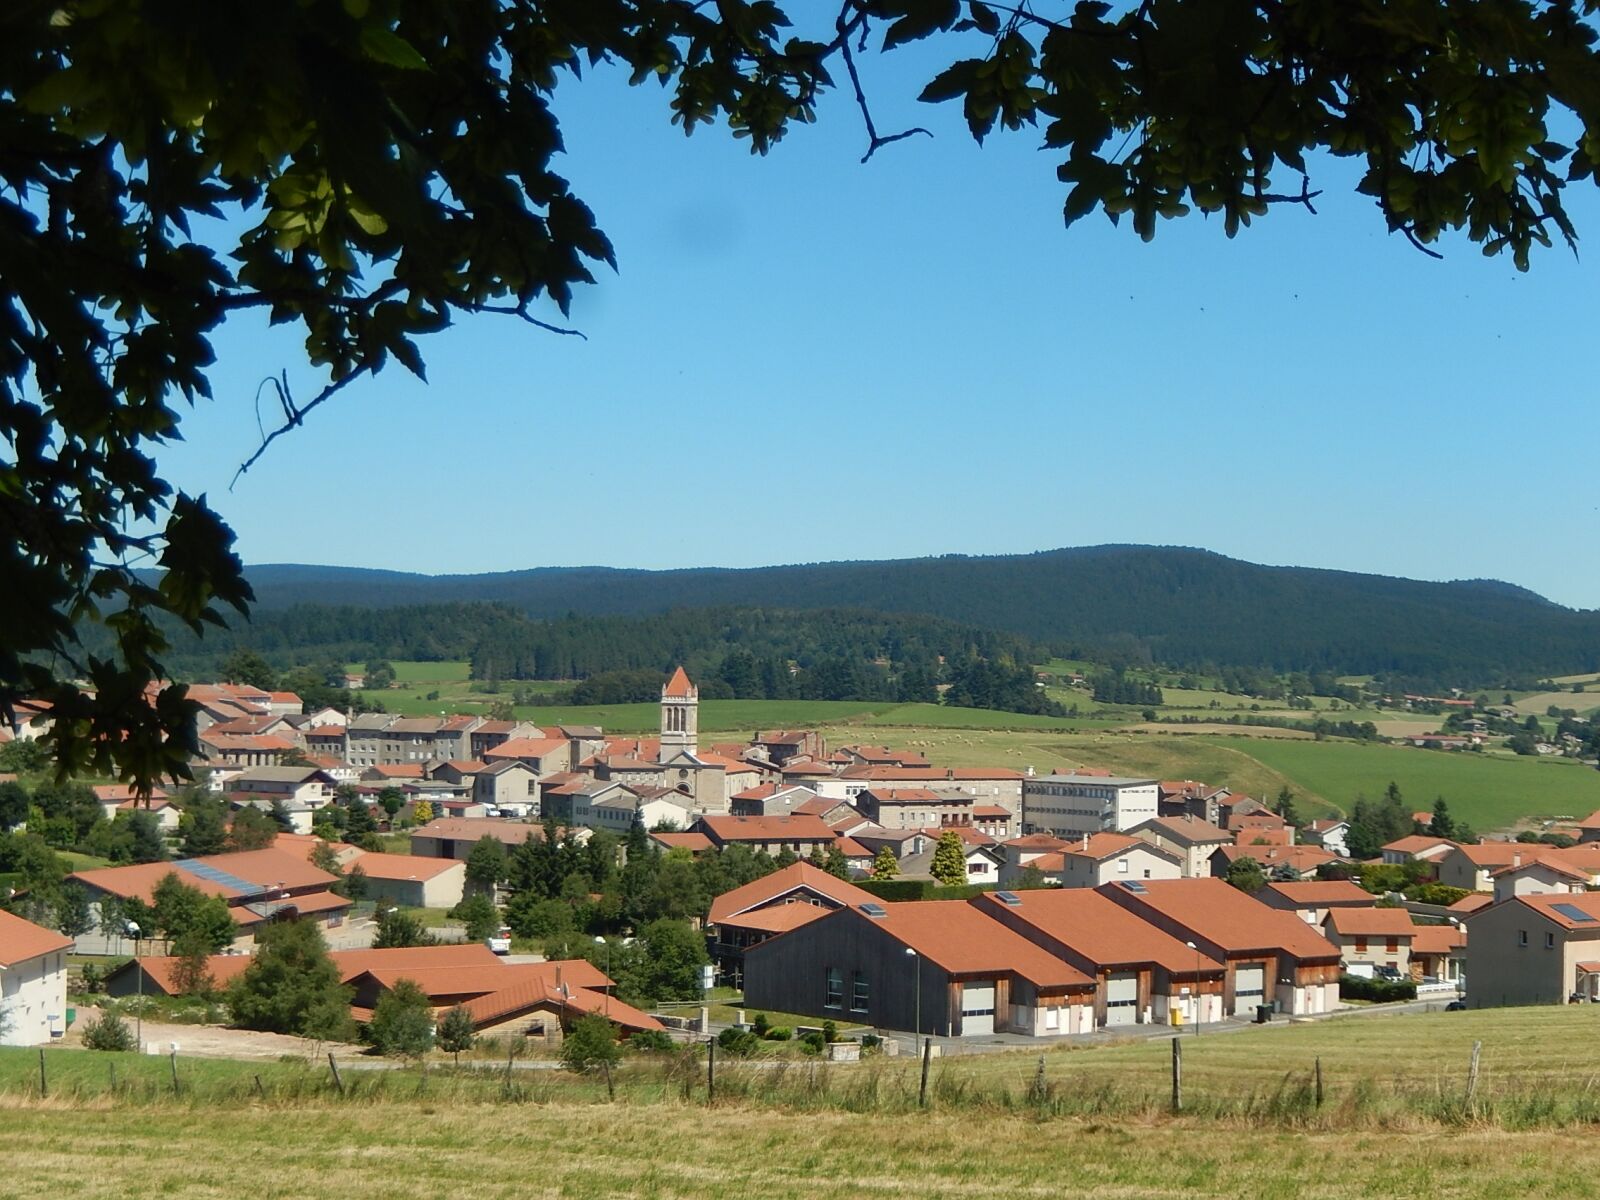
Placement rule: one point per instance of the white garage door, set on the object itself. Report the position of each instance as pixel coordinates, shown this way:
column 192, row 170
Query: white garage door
column 977, row 1009
column 1122, row 998
column 1249, row 987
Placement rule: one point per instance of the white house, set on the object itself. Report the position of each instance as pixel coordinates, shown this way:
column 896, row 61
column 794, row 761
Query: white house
column 1072, row 805
column 310, row 786
column 33, row 982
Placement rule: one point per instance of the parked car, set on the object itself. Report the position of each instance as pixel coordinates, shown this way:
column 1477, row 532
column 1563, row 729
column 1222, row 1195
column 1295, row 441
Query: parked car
column 499, row 942
column 1456, row 1006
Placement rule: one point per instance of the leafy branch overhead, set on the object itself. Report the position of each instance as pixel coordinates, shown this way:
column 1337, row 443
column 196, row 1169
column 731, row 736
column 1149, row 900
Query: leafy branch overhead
column 368, row 170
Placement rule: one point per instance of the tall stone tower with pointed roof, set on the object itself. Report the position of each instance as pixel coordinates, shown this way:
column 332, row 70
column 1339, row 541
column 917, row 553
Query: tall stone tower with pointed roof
column 680, row 716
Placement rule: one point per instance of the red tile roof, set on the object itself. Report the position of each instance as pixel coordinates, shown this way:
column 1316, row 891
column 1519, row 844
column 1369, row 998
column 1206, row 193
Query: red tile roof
column 1545, row 906
column 928, row 774
column 1438, row 939
column 396, row 770
column 1098, row 928
column 1370, row 922
column 470, row 829
column 678, row 685
column 1420, row 843
column 1315, row 893
column 525, row 747
column 1189, row 829
column 964, row 941
column 1100, row 846
column 537, row 993
column 787, row 828
column 903, row 795
column 119, row 793
column 1216, row 912
column 781, row 887
column 1472, row 903
column 22, row 940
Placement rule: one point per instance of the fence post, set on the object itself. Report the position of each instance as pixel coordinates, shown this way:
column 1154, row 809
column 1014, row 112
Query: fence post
column 1472, row 1079
column 711, row 1070
column 113, row 1067
column 1319, row 1081
column 174, row 1062
column 927, row 1056
column 334, row 1067
column 1177, row 1075
column 260, row 1091
column 44, row 1084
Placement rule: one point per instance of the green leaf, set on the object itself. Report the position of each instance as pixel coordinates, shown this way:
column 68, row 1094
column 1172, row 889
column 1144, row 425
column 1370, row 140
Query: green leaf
column 985, row 18
column 386, row 46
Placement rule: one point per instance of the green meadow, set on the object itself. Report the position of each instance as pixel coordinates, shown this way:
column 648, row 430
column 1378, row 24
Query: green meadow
column 1488, row 791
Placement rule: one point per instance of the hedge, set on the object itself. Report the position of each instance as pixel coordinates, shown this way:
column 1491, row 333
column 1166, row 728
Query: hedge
column 1357, row 987
column 922, row 889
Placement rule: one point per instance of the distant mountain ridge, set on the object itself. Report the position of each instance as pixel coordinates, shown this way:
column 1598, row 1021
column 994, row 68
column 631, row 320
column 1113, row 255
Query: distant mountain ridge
column 1188, row 606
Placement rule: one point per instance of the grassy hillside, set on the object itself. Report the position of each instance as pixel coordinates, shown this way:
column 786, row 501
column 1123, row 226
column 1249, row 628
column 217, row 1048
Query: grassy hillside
column 1394, row 1123
column 1487, row 791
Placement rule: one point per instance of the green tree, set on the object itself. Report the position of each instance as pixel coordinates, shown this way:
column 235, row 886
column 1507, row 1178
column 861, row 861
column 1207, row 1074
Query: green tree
column 885, row 865
column 530, row 917
column 251, row 829
column 1284, row 806
column 478, row 915
column 1246, row 875
column 179, row 909
column 291, row 985
column 423, row 812
column 837, row 864
column 72, row 911
column 402, row 1022
column 203, row 827
column 590, row 1043
column 949, row 860
column 456, row 1033
column 1442, row 824
column 486, row 864
column 191, row 974
column 673, row 954
column 432, row 196
column 248, row 667
column 379, row 674
column 148, row 846
column 13, row 804
column 108, row 1031
column 354, row 884
column 398, row 928
column 818, row 857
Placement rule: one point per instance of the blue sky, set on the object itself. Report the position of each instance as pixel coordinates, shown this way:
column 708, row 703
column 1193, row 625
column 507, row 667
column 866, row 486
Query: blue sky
column 805, row 358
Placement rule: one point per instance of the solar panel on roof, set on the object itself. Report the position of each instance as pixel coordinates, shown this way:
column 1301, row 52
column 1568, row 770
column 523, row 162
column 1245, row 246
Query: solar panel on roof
column 1572, row 912
column 216, row 875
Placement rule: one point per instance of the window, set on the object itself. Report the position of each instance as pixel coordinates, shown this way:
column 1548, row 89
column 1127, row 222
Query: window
column 1361, row 943
column 1522, row 937
column 835, row 989
column 1122, row 866
column 1549, row 941
column 1392, row 945
column 860, row 994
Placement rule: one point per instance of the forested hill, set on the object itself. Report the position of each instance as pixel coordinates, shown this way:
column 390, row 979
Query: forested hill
column 1182, row 606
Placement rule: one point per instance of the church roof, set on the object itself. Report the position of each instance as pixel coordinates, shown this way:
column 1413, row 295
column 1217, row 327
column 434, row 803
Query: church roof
column 678, row 685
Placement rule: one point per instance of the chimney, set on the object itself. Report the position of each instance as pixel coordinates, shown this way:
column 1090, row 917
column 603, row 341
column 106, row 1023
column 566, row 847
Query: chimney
column 1086, row 843
column 1516, row 860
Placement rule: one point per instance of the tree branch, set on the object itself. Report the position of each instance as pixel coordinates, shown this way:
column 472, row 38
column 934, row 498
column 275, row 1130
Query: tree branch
column 874, row 139
column 295, row 416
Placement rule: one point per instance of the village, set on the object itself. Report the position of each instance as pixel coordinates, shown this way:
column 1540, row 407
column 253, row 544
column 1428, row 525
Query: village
column 884, row 891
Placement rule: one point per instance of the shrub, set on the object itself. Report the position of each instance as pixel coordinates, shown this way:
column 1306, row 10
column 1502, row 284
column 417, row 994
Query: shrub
column 779, row 1033
column 1380, row 991
column 871, row 1043
column 740, row 1043
column 813, row 1042
column 830, row 1031
column 108, row 1031
column 652, row 1041
column 761, row 1025
column 94, row 979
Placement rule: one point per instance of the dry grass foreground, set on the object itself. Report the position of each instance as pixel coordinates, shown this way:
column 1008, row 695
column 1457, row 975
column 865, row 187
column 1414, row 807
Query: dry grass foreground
column 414, row 1150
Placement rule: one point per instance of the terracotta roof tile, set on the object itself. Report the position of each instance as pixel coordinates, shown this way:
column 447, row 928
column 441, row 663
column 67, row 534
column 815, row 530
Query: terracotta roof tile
column 781, row 887
column 1097, row 928
column 23, row 940
column 1370, row 922
column 678, row 685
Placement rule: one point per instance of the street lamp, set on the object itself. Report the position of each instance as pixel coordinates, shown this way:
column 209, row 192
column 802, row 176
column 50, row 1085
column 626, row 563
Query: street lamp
column 134, row 931
column 918, row 957
column 1197, row 1001
column 600, row 941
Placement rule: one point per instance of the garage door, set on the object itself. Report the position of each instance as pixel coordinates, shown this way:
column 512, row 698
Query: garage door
column 977, row 1009
column 1122, row 998
column 1249, row 987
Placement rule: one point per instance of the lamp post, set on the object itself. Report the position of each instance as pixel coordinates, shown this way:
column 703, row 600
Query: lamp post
column 138, row 979
column 918, row 957
column 600, row 941
column 1197, row 1000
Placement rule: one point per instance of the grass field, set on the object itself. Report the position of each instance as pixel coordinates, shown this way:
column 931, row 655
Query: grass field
column 1394, row 1123
column 1487, row 791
